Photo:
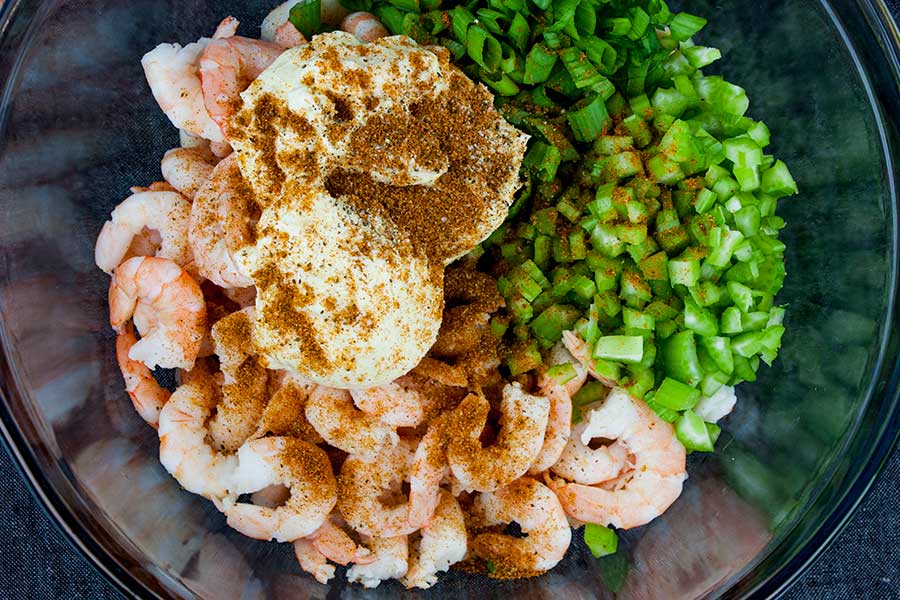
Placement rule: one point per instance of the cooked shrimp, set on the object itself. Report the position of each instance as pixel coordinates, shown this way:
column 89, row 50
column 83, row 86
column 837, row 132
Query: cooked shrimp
column 429, row 467
column 391, row 557
column 245, row 383
column 521, row 437
column 312, row 561
column 365, row 26
column 362, row 486
column 441, row 372
column 642, row 494
column 538, row 512
column 186, row 169
column 227, row 66
column 284, row 413
column 173, row 73
column 580, row 463
column 579, row 349
column 210, row 244
column 166, row 213
column 146, row 394
column 186, row 139
column 398, row 403
column 329, row 543
column 560, row 355
column 442, row 544
column 302, row 467
column 156, row 186
column 719, row 405
column 271, row 497
column 331, row 412
column 288, row 36
column 183, row 449
column 559, row 425
column 338, row 547
column 226, row 28
column 159, row 287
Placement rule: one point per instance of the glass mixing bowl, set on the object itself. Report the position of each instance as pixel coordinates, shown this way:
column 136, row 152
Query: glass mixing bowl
column 78, row 126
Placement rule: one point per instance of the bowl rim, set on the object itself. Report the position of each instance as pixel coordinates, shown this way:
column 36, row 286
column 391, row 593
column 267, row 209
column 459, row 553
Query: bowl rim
column 886, row 376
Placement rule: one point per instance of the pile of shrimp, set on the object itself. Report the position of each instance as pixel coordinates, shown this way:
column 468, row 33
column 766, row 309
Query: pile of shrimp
column 399, row 481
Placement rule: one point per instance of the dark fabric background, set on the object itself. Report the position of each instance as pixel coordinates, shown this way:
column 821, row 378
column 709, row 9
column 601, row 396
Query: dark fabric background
column 36, row 561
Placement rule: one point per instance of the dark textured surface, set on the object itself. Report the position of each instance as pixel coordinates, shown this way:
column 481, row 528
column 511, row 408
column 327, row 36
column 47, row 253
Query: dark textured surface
column 37, row 562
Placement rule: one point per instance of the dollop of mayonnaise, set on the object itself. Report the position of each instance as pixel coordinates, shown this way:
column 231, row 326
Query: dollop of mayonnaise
column 349, row 293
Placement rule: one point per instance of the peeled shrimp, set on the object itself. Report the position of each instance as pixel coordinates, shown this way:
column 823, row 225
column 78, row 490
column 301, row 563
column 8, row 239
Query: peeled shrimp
column 226, row 28
column 442, row 544
column 159, row 287
column 429, row 467
column 186, row 169
column 207, row 235
column 397, row 403
column 520, row 440
column 146, row 394
column 365, row 26
column 183, row 447
column 312, row 561
column 173, row 73
column 338, row 547
column 580, row 463
column 285, row 414
column 227, row 67
column 362, row 486
column 303, row 468
column 538, row 512
column 329, row 543
column 581, row 352
column 245, row 386
column 559, row 425
column 167, row 213
column 642, row 494
column 331, row 412
column 391, row 558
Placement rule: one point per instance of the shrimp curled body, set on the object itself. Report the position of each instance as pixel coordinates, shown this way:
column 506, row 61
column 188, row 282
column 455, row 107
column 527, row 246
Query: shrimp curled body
column 640, row 495
column 171, row 308
column 300, row 466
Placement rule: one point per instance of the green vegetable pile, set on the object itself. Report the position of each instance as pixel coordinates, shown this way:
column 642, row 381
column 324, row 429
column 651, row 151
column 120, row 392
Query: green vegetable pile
column 647, row 221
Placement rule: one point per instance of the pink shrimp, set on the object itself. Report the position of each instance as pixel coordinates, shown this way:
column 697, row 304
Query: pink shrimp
column 642, row 494
column 300, row 466
column 288, row 36
column 559, row 425
column 165, row 213
column 429, row 468
column 146, row 394
column 227, row 66
column 331, row 412
column 187, row 169
column 397, row 403
column 518, row 444
column 365, row 26
column 159, row 287
column 538, row 512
